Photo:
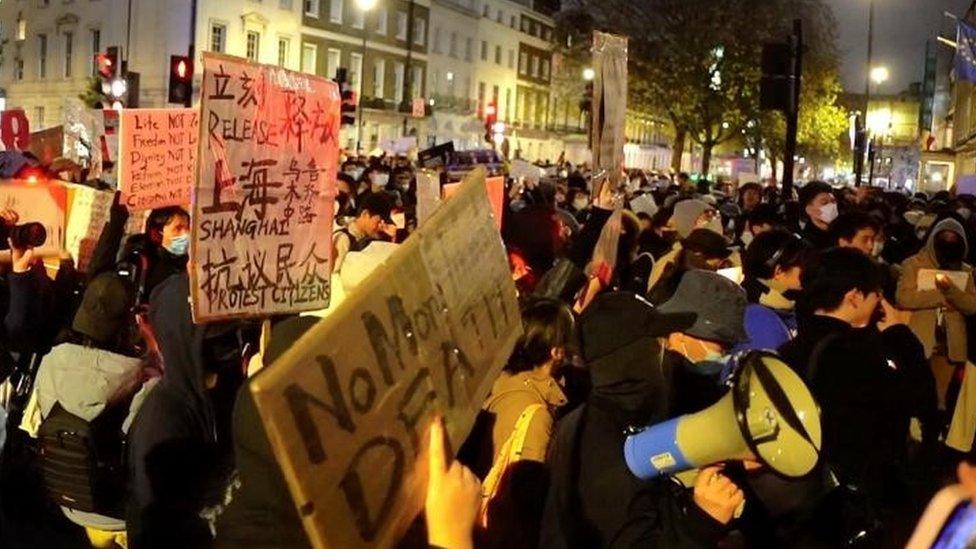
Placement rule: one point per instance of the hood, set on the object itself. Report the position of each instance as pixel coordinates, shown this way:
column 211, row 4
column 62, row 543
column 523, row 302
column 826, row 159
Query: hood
column 947, row 224
column 632, row 383
column 84, row 379
column 180, row 343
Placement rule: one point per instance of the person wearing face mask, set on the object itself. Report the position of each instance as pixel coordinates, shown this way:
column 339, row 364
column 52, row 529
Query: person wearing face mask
column 702, row 249
column 938, row 317
column 761, row 219
column 772, row 266
column 373, row 216
column 378, row 180
column 168, row 230
column 594, row 501
column 699, row 354
column 819, row 209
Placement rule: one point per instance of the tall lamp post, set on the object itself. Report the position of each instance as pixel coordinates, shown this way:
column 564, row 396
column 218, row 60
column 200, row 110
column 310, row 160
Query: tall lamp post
column 878, row 75
column 366, row 6
column 860, row 154
column 589, row 75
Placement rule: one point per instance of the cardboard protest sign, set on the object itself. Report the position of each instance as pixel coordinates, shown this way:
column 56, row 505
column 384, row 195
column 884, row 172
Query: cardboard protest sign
column 88, row 212
column 158, row 160
column 428, row 194
column 82, row 130
column 47, row 144
column 400, row 146
column 496, row 195
column 347, row 407
column 263, row 201
column 607, row 131
column 926, row 278
column 41, row 203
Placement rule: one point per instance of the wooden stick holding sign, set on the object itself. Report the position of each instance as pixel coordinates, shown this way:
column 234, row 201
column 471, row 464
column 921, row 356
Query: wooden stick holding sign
column 346, row 408
column 264, row 199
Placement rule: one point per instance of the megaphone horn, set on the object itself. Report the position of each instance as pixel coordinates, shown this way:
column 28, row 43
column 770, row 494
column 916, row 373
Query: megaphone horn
column 768, row 416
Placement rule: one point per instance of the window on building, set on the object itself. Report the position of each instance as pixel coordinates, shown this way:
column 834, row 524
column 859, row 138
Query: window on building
column 284, row 48
column 310, row 55
column 381, row 21
column 95, row 43
column 452, row 47
column 379, row 78
column 253, row 45
column 401, row 28
column 19, row 69
column 399, row 73
column 495, row 97
column 436, row 46
column 358, row 19
column 356, row 69
column 417, row 82
column 335, row 11
column 546, row 34
column 508, row 104
column 69, row 52
column 419, row 32
column 469, row 49
column 21, row 28
column 545, row 69
column 534, row 66
column 486, row 10
column 285, row 4
column 481, row 99
column 514, row 22
column 500, row 17
column 525, row 25
column 498, row 55
column 449, row 79
column 484, row 50
column 218, row 37
column 332, row 62
column 523, row 63
column 312, row 8
column 39, row 117
column 511, row 59
column 42, row 56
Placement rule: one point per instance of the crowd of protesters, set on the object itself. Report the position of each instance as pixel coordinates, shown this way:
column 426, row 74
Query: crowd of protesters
column 636, row 296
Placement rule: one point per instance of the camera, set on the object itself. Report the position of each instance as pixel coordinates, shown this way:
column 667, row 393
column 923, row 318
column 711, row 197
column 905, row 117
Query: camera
column 28, row 235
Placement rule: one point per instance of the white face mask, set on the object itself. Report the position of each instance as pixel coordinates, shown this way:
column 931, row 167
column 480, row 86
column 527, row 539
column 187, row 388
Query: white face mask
column 379, row 181
column 878, row 248
column 964, row 213
column 580, row 203
column 828, row 213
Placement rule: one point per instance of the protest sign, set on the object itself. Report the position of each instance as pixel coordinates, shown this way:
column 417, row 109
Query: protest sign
column 346, row 408
column 496, row 195
column 87, row 213
column 607, row 130
column 14, row 130
column 401, row 146
column 428, row 194
column 525, row 170
column 263, row 201
column 47, row 144
column 436, row 157
column 83, row 128
column 158, row 156
column 926, row 278
column 41, row 203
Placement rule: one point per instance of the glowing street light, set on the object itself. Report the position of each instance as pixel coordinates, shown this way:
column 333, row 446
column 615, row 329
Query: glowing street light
column 880, row 75
column 589, row 74
column 366, row 5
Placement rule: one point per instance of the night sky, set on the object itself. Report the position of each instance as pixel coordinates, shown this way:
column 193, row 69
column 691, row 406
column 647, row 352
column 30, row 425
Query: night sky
column 901, row 29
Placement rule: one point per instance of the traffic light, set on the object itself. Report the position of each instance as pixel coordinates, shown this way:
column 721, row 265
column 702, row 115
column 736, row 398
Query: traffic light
column 586, row 102
column 348, row 107
column 181, row 80
column 776, row 86
column 108, row 62
column 491, row 117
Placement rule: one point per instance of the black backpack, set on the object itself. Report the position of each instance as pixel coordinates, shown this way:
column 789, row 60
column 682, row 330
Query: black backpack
column 83, row 462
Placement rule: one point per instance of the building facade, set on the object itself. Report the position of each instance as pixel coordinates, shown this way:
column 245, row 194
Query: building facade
column 49, row 46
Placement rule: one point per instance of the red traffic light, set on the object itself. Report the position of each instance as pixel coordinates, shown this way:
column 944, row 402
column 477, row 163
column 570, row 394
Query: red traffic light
column 491, row 110
column 181, row 69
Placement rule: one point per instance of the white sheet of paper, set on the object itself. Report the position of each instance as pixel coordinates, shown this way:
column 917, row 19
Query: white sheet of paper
column 926, row 278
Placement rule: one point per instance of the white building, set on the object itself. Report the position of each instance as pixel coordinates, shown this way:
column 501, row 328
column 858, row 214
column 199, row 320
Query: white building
column 49, row 45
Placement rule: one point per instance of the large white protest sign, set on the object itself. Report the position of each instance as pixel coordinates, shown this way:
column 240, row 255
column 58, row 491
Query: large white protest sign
column 158, row 156
column 347, row 407
column 607, row 132
column 263, row 201
column 88, row 212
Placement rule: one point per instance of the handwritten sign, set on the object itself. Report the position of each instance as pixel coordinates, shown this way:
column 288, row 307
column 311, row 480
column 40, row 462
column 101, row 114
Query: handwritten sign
column 347, row 406
column 88, row 212
column 263, row 202
column 47, row 144
column 496, row 195
column 158, row 160
column 44, row 204
column 428, row 194
column 14, row 130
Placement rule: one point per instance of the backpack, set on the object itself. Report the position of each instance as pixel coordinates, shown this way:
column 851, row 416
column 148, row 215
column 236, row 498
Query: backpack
column 511, row 452
column 83, row 462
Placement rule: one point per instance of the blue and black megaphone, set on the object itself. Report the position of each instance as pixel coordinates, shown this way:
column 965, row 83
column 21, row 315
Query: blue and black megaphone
column 768, row 416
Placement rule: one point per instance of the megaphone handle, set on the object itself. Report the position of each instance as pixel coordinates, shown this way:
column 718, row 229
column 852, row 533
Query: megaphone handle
column 780, row 401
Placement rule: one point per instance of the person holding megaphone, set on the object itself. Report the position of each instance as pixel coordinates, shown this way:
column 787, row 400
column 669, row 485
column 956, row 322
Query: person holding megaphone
column 594, row 499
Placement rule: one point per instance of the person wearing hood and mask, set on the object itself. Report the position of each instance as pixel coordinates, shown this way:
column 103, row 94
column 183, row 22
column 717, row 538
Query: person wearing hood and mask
column 819, row 209
column 938, row 319
column 173, row 455
column 773, row 266
column 594, row 500
column 168, row 230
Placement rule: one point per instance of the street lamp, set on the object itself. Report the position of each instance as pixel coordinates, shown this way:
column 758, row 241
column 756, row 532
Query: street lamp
column 589, row 74
column 365, row 6
column 879, row 75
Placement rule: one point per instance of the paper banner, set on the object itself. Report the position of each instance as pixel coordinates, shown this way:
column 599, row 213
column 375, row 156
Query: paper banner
column 609, row 114
column 263, row 201
column 346, row 409
column 428, row 195
column 496, row 195
column 158, row 157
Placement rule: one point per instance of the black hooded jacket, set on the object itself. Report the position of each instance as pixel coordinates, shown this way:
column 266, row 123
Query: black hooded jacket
column 594, row 500
column 173, row 464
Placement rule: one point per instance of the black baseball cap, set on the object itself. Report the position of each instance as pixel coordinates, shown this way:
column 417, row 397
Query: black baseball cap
column 718, row 303
column 708, row 243
column 379, row 204
column 617, row 319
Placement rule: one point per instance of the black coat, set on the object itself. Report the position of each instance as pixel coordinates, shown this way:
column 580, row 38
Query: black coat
column 174, row 466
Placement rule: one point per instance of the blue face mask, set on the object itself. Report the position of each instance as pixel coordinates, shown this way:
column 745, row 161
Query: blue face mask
column 179, row 246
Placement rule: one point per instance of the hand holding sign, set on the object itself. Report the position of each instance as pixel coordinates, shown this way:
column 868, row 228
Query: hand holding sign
column 453, row 496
